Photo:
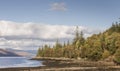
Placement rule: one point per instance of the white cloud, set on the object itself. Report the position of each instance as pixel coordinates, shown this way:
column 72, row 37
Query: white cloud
column 31, row 35
column 58, row 7
column 44, row 31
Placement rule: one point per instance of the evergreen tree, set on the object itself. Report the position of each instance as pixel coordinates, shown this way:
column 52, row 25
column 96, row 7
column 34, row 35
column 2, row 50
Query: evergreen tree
column 76, row 36
column 117, row 56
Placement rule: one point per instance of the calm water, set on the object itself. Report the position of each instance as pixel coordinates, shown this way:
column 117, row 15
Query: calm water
column 6, row 62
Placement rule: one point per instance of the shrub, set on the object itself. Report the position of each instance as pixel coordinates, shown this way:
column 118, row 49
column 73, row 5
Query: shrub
column 117, row 56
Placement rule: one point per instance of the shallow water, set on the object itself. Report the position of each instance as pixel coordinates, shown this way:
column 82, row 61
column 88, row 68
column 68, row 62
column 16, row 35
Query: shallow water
column 8, row 62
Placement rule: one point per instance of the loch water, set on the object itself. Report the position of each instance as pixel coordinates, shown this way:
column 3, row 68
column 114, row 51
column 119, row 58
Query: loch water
column 9, row 62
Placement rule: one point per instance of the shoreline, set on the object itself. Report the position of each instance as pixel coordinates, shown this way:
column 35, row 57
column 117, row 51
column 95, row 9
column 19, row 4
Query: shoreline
column 53, row 64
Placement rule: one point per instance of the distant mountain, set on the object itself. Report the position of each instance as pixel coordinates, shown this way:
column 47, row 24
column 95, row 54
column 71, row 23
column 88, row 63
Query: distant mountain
column 5, row 53
column 24, row 53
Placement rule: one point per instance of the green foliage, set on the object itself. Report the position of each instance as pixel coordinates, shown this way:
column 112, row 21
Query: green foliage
column 95, row 52
column 105, row 54
column 98, row 46
column 111, row 42
column 117, row 56
column 79, row 39
column 76, row 36
column 115, row 28
column 84, row 51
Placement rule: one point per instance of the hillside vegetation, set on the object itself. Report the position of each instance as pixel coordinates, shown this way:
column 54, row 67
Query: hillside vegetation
column 100, row 46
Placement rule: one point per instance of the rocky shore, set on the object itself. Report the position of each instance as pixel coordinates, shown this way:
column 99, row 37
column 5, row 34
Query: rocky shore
column 63, row 64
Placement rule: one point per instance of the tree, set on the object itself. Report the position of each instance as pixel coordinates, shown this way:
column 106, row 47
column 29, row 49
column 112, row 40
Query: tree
column 111, row 40
column 76, row 36
column 68, row 43
column 58, row 45
column 105, row 54
column 94, row 54
column 84, row 51
column 64, row 45
column 80, row 41
column 102, row 41
column 39, row 52
column 117, row 56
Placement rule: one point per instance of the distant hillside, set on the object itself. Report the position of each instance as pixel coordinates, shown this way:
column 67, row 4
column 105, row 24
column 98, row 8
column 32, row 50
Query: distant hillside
column 5, row 53
column 24, row 53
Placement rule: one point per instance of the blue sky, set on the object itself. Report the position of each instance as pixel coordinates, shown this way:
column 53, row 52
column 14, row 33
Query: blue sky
column 90, row 13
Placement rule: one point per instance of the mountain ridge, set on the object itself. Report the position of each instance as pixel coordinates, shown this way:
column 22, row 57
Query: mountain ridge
column 5, row 53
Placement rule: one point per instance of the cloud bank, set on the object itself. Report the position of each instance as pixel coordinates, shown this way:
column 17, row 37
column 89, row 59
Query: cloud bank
column 29, row 36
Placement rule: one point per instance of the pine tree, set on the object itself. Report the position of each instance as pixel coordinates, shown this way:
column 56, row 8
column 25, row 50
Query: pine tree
column 76, row 36
column 117, row 56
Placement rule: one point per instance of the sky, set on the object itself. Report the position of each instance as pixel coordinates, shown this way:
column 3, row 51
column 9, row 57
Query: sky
column 28, row 24
column 100, row 13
